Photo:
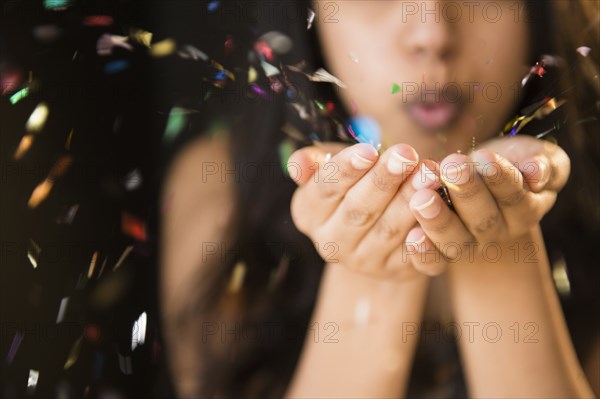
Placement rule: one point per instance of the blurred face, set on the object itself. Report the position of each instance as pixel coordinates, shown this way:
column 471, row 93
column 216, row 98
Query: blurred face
column 458, row 67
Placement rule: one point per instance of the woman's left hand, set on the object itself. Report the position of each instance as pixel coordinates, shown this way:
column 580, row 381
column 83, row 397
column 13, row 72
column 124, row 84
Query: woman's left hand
column 499, row 193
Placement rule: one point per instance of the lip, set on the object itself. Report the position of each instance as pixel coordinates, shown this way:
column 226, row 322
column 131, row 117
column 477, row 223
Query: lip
column 433, row 115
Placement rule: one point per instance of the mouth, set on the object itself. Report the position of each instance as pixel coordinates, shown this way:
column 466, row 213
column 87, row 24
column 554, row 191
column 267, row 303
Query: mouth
column 434, row 115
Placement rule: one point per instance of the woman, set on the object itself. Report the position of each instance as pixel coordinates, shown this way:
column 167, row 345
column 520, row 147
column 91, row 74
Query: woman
column 233, row 263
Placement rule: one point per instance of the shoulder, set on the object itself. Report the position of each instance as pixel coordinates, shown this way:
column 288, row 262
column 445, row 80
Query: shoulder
column 196, row 217
column 197, row 207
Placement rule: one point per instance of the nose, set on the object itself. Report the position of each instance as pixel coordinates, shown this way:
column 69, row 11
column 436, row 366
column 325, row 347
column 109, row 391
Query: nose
column 429, row 36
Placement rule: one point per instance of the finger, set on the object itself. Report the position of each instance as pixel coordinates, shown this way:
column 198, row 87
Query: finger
column 390, row 230
column 470, row 197
column 523, row 152
column 547, row 171
column 366, row 201
column 315, row 200
column 520, row 208
column 303, row 163
column 443, row 227
column 423, row 254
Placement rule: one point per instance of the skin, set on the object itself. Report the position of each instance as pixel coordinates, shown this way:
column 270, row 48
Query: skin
column 392, row 45
column 386, row 216
column 374, row 212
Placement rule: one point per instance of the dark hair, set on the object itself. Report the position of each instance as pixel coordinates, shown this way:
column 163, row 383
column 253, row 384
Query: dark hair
column 267, row 241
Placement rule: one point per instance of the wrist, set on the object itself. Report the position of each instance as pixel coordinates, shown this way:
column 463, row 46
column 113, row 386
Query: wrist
column 355, row 299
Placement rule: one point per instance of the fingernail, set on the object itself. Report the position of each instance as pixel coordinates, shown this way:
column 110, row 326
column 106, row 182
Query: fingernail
column 544, row 172
column 397, row 164
column 428, row 209
column 455, row 174
column 417, row 243
column 364, row 156
column 483, row 158
column 425, row 178
column 360, row 163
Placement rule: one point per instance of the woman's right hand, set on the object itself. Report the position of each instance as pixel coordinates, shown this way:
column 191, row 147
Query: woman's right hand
column 353, row 204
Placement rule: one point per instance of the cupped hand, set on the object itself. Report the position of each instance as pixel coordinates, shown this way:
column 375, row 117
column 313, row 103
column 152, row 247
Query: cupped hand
column 500, row 192
column 353, row 204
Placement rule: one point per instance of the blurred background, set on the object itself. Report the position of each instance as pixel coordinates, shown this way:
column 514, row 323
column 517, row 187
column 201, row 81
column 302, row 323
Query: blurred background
column 87, row 108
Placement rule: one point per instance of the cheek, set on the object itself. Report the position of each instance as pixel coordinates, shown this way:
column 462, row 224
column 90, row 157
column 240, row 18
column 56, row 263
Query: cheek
column 501, row 65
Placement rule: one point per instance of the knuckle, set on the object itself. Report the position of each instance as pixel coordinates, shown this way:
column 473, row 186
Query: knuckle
column 512, row 199
column 357, row 215
column 381, row 181
column 487, row 223
column 441, row 225
column 467, row 192
column 329, row 191
column 405, row 193
column 386, row 230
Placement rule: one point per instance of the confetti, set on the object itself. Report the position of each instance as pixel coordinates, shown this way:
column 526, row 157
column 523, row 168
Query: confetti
column 123, row 257
column 278, row 274
column 212, row 6
column 561, row 277
column 310, row 18
column 252, row 74
column 133, row 180
column 106, row 43
column 116, row 66
column 176, row 123
column 280, row 43
column 237, row 277
column 10, row 81
column 141, row 36
column 92, row 265
column 32, row 381
column 138, row 333
column 269, row 69
column 68, row 215
column 365, row 130
column 263, row 50
column 286, row 148
column 229, row 45
column 24, row 146
column 258, row 90
column 321, row 75
column 536, row 111
column 47, row 33
column 41, row 192
column 98, row 20
column 62, row 310
column 20, row 95
column 190, row 52
column 584, row 50
column 56, row 5
column 102, row 267
column 396, row 88
column 69, row 140
column 14, row 347
column 163, row 48
column 133, row 227
column 276, row 85
column 73, row 353
column 37, row 119
column 125, row 364
column 92, row 333
column 353, row 57
column 33, row 253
